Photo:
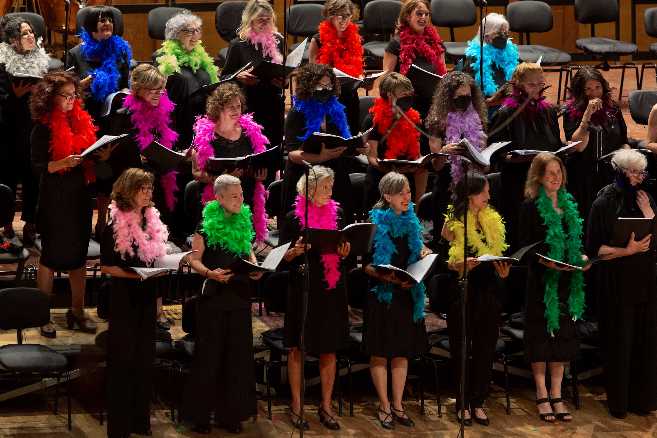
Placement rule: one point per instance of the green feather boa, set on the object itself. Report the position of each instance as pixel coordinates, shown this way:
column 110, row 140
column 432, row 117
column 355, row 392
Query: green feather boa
column 562, row 244
column 233, row 233
column 172, row 55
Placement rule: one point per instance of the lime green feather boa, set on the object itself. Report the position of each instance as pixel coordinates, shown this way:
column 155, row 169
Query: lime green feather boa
column 233, row 233
column 172, row 56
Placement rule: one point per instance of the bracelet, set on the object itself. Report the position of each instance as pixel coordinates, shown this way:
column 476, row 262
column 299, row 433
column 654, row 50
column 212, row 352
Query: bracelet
column 206, row 272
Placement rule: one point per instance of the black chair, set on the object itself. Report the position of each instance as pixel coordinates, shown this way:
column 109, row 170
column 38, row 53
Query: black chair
column 453, row 14
column 424, row 208
column 22, row 308
column 157, row 20
column 650, row 25
column 16, row 255
column 227, row 20
column 36, row 20
column 530, row 16
column 364, row 105
column 641, row 102
column 603, row 11
column 303, row 22
column 379, row 18
column 84, row 12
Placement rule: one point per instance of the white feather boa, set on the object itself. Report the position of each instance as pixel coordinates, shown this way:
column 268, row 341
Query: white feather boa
column 33, row 63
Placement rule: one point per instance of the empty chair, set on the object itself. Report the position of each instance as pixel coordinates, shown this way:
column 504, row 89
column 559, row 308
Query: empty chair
column 118, row 19
column 641, row 102
column 157, row 20
column 453, row 14
column 650, row 25
column 303, row 21
column 379, row 18
column 227, row 20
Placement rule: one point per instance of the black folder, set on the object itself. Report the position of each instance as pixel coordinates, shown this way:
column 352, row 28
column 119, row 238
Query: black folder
column 162, row 159
column 359, row 235
column 269, row 159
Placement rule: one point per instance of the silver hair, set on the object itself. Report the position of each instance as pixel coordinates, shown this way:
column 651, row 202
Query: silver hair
column 392, row 183
column 316, row 174
column 629, row 159
column 492, row 23
column 223, row 181
column 180, row 21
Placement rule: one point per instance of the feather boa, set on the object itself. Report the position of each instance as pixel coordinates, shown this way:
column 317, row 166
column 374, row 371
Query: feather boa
column 110, row 53
column 232, row 233
column 71, row 133
column 463, row 124
column 149, row 121
column 390, row 225
column 533, row 108
column 403, row 142
column 492, row 228
column 315, row 111
column 267, row 43
column 598, row 118
column 130, row 234
column 563, row 245
column 323, row 218
column 34, row 62
column 344, row 53
column 204, row 134
column 172, row 56
column 429, row 45
column 506, row 59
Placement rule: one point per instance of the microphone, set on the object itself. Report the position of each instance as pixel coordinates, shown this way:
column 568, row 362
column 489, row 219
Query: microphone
column 306, row 164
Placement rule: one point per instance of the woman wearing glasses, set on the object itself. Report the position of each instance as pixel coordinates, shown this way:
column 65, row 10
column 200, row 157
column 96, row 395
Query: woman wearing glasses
column 593, row 118
column 188, row 67
column 338, row 44
column 61, row 132
column 258, row 40
column 626, row 288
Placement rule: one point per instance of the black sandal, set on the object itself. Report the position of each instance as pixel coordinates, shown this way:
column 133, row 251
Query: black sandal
column 402, row 419
column 467, row 421
column 545, row 417
column 328, row 421
column 48, row 330
column 484, row 421
column 387, row 422
column 297, row 422
column 561, row 416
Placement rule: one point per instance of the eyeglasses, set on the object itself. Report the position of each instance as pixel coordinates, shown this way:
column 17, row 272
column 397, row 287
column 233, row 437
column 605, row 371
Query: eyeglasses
column 154, row 90
column 190, row 32
column 263, row 20
column 327, row 88
column 68, row 96
column 343, row 17
column 146, row 189
column 421, row 14
column 535, row 84
column 637, row 173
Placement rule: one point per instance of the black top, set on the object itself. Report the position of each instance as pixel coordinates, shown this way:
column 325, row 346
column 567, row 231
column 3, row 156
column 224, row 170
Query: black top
column 109, row 256
column 529, row 130
column 242, row 52
column 225, row 148
column 179, row 87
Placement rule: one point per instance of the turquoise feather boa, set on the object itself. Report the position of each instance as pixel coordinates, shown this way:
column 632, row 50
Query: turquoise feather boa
column 314, row 111
column 506, row 59
column 390, row 225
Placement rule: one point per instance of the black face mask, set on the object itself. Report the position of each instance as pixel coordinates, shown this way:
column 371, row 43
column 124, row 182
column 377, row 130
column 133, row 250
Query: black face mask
column 322, row 95
column 499, row 42
column 462, row 103
column 405, row 103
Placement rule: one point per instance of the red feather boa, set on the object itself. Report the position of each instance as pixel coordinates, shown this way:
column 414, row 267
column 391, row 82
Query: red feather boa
column 428, row 44
column 71, row 133
column 344, row 53
column 403, row 141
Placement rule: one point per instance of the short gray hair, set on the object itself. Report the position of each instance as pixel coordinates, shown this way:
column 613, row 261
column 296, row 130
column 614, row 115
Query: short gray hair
column 223, row 181
column 492, row 23
column 316, row 174
column 178, row 22
column 392, row 183
column 629, row 159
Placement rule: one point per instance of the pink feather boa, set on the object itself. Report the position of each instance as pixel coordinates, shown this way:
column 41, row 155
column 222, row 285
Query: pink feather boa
column 324, row 218
column 148, row 120
column 533, row 108
column 466, row 124
column 203, row 136
column 129, row 234
column 267, row 43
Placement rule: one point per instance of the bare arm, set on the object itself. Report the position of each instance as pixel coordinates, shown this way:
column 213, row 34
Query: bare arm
column 389, row 62
column 313, row 49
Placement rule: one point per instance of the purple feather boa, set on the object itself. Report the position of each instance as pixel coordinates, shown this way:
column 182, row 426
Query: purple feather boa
column 466, row 124
column 148, row 120
column 203, row 136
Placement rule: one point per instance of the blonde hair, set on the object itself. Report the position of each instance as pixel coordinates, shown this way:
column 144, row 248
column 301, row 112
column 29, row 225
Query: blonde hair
column 146, row 76
column 316, row 174
column 394, row 83
column 537, row 172
column 523, row 70
column 252, row 9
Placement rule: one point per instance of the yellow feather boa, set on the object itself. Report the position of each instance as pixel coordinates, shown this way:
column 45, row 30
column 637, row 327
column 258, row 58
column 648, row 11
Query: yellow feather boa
column 492, row 227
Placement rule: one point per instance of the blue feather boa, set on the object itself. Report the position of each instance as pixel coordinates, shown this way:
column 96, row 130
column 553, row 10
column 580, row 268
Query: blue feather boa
column 390, row 225
column 314, row 112
column 111, row 52
column 506, row 59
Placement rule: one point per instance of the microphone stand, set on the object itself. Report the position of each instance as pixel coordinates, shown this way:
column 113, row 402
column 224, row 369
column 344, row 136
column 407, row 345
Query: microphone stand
column 463, row 307
column 304, row 304
column 482, row 4
column 67, row 14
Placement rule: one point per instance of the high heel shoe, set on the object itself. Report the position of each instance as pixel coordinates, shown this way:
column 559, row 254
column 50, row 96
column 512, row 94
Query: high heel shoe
column 484, row 421
column 387, row 422
column 466, row 421
column 402, row 419
column 297, row 422
column 48, row 330
column 82, row 323
column 548, row 417
column 561, row 416
column 328, row 421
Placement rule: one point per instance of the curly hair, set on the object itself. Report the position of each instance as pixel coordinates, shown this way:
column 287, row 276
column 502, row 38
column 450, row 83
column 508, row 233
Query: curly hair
column 443, row 101
column 42, row 99
column 407, row 9
column 221, row 96
column 577, row 89
column 180, row 21
column 11, row 28
column 537, row 172
column 309, row 75
column 127, row 186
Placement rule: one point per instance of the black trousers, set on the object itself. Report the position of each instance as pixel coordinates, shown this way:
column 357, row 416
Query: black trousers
column 222, row 378
column 482, row 319
column 130, row 355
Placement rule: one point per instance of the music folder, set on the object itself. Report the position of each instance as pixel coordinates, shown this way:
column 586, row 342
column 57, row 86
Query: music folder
column 625, row 226
column 161, row 158
column 359, row 235
column 102, row 143
column 513, row 258
column 561, row 264
column 424, row 82
column 267, row 70
column 355, row 83
column 268, row 159
column 481, row 157
column 162, row 265
column 314, row 143
column 202, row 93
column 424, row 161
column 269, row 264
column 415, row 272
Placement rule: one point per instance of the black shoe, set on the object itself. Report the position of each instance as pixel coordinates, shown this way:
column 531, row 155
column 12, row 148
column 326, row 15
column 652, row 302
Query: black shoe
column 387, row 422
column 234, row 428
column 82, row 323
column 297, row 422
column 548, row 417
column 561, row 416
column 328, row 421
column 484, row 421
column 402, row 418
column 163, row 325
column 466, row 421
column 618, row 414
column 49, row 331
column 203, row 429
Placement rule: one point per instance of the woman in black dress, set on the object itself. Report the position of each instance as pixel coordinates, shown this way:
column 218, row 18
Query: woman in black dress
column 394, row 328
column 627, row 285
column 222, row 378
column 21, row 55
column 135, row 237
column 258, row 40
column 188, row 67
column 593, row 118
column 327, row 323
column 555, row 295
column 338, row 44
column 62, row 130
column 485, row 289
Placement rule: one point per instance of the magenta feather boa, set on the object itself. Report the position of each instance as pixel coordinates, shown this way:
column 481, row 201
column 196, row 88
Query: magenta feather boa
column 324, row 218
column 267, row 43
column 149, row 120
column 534, row 107
column 203, row 136
column 463, row 124
column 129, row 234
